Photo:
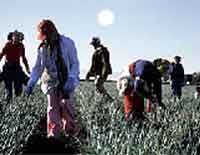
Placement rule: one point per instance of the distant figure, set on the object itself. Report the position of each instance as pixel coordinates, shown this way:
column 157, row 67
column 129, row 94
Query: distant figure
column 58, row 66
column 196, row 77
column 12, row 71
column 141, row 79
column 197, row 93
column 177, row 78
column 100, row 68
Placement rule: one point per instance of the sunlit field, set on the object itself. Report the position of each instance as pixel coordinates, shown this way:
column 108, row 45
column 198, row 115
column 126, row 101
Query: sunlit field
column 175, row 132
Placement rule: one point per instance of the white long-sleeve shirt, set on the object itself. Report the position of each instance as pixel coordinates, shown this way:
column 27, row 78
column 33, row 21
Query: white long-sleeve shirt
column 70, row 58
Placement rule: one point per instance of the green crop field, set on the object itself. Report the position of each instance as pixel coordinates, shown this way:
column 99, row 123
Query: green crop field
column 175, row 132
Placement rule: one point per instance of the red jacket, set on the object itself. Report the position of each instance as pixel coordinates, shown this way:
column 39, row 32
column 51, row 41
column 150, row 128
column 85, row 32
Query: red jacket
column 13, row 52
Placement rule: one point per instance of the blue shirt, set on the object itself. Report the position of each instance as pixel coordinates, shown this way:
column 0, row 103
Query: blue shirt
column 70, row 58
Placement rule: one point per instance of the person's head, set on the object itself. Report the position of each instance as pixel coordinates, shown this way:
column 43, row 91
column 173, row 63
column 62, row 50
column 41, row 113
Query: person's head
column 17, row 36
column 177, row 59
column 166, row 69
column 164, row 66
column 157, row 62
column 46, row 30
column 96, row 42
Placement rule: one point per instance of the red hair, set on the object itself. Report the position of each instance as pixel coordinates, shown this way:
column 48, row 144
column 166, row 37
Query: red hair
column 47, row 28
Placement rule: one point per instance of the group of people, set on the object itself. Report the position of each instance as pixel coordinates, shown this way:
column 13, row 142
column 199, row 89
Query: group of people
column 57, row 65
column 143, row 79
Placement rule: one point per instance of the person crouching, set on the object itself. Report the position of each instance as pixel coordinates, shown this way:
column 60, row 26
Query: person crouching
column 140, row 80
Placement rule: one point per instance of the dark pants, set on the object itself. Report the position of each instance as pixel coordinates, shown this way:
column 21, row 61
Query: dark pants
column 157, row 89
column 13, row 75
column 153, row 78
column 177, row 90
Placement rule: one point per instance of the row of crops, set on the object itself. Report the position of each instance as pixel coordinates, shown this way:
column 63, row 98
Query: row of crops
column 175, row 131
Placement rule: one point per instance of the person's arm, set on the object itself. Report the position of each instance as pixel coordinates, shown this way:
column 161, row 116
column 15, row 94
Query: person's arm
column 182, row 73
column 25, row 61
column 3, row 51
column 91, row 71
column 105, row 61
column 74, row 70
column 182, row 70
column 36, row 71
column 172, row 75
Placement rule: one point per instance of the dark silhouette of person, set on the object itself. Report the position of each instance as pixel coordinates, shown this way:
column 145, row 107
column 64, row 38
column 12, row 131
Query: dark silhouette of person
column 12, row 70
column 177, row 78
column 101, row 67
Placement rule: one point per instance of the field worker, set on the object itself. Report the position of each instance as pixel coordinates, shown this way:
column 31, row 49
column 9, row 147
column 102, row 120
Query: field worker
column 177, row 78
column 165, row 67
column 139, row 80
column 100, row 68
column 58, row 66
column 12, row 71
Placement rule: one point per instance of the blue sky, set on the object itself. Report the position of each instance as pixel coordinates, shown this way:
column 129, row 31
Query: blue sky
column 142, row 28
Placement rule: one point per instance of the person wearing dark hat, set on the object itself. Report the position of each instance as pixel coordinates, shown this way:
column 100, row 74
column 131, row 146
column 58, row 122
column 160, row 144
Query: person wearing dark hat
column 177, row 78
column 101, row 67
column 12, row 70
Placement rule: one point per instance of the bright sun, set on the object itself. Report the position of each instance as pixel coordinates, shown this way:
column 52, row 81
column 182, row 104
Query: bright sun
column 106, row 18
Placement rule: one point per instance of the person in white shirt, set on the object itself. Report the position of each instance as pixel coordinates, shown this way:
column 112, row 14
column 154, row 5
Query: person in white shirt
column 57, row 65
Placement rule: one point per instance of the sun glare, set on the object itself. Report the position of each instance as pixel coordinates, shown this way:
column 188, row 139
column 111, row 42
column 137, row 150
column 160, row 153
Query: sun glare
column 106, row 18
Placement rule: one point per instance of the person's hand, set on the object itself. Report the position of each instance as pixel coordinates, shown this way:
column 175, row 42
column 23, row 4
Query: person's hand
column 69, row 85
column 28, row 90
column 98, row 80
column 28, row 71
column 170, row 82
column 162, row 105
column 87, row 77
